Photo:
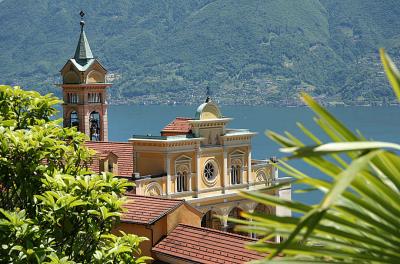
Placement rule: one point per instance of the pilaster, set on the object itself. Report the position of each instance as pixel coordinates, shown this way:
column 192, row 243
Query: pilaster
column 248, row 166
column 198, row 171
column 168, row 168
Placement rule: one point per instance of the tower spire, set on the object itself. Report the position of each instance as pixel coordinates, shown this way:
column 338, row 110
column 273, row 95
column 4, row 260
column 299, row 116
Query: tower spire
column 83, row 51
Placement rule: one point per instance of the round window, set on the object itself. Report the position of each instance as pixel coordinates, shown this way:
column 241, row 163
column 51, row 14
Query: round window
column 210, row 171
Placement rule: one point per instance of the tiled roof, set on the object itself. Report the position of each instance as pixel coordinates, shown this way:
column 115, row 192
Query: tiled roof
column 147, row 209
column 205, row 245
column 123, row 151
column 178, row 126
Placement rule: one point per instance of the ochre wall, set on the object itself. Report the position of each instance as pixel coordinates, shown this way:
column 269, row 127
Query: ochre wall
column 150, row 163
column 139, row 230
column 183, row 215
column 159, row 231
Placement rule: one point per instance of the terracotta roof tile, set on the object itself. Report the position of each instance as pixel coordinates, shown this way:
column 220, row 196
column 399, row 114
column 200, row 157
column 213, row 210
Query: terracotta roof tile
column 123, row 150
column 147, row 209
column 178, row 126
column 204, row 245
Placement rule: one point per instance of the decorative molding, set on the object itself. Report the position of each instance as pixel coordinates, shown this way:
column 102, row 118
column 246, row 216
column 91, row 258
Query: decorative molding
column 153, row 189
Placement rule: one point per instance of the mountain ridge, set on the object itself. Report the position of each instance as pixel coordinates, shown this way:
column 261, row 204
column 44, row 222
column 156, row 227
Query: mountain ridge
column 247, row 52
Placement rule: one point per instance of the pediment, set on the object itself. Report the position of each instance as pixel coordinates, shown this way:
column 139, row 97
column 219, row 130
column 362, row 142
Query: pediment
column 237, row 152
column 183, row 158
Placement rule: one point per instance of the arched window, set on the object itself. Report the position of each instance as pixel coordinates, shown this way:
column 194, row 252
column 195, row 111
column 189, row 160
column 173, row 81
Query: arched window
column 210, row 220
column 181, row 181
column 263, row 209
column 235, row 213
column 94, row 120
column 74, row 119
column 236, row 171
column 182, row 178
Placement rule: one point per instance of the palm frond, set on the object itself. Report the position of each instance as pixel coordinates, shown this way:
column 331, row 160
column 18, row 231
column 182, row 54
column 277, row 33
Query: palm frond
column 358, row 219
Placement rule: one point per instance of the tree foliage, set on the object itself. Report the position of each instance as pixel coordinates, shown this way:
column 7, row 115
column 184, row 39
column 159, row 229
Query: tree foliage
column 52, row 208
column 358, row 219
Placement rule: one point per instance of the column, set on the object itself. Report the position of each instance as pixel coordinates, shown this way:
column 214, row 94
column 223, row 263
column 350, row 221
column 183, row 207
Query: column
column 168, row 168
column 251, row 234
column 190, row 181
column 174, row 178
column 104, row 124
column 225, row 182
column 224, row 219
column 275, row 173
column 198, row 172
column 85, row 121
column 248, row 167
column 139, row 190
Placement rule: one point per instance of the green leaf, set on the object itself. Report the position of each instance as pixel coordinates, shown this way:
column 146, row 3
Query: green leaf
column 338, row 147
column 391, row 71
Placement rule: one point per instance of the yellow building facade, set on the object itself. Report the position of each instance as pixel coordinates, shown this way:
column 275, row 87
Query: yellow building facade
column 207, row 164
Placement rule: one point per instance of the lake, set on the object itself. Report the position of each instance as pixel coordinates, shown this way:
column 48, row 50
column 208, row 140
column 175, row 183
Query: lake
column 378, row 123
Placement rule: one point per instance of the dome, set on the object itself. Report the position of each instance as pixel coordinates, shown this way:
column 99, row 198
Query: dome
column 208, row 110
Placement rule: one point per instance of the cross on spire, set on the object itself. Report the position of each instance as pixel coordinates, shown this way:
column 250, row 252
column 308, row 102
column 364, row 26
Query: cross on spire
column 82, row 14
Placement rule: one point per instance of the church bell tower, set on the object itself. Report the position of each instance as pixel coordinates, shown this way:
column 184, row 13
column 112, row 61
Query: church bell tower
column 84, row 90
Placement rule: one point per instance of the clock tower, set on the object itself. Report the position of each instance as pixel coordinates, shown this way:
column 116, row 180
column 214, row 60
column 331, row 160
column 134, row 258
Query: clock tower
column 84, row 90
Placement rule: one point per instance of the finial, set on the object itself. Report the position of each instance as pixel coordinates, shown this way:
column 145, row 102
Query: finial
column 82, row 23
column 208, row 94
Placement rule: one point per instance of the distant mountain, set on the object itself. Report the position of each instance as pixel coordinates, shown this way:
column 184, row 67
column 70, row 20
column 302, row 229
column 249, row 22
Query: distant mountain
column 246, row 51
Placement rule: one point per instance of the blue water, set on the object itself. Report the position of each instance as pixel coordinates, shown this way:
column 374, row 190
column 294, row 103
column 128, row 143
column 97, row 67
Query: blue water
column 378, row 123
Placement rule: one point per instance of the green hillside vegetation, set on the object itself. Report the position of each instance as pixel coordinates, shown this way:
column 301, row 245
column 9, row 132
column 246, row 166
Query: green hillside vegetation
column 247, row 52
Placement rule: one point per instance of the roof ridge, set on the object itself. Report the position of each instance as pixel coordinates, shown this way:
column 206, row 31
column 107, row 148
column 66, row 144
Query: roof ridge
column 216, row 231
column 169, row 206
column 104, row 142
column 183, row 117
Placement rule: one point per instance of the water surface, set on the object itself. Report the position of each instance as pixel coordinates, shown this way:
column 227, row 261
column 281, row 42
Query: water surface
column 378, row 123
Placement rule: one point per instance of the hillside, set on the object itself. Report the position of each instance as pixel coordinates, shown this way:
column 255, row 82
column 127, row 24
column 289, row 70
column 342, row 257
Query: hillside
column 247, row 52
